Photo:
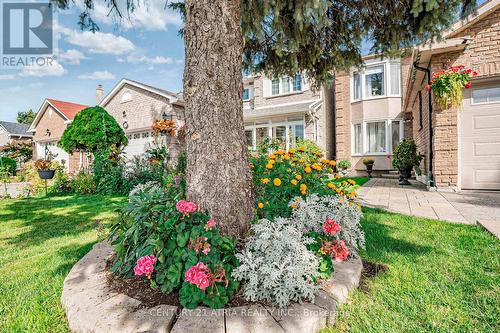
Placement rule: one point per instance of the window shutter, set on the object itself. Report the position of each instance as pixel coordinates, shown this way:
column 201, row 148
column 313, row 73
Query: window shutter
column 266, row 87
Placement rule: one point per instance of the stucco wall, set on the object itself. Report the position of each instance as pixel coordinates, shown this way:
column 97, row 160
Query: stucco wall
column 4, row 137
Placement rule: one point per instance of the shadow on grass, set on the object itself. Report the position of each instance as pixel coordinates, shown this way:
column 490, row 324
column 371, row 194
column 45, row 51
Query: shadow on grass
column 56, row 216
column 71, row 255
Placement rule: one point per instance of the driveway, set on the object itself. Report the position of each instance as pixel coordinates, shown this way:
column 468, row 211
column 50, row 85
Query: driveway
column 469, row 207
column 13, row 189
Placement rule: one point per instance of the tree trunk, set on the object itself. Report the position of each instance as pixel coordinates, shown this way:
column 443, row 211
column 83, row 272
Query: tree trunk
column 218, row 174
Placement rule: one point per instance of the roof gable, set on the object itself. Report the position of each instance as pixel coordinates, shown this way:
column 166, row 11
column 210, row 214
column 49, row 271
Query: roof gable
column 172, row 97
column 66, row 110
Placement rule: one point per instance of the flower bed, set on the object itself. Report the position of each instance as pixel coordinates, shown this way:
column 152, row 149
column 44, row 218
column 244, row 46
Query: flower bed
column 305, row 222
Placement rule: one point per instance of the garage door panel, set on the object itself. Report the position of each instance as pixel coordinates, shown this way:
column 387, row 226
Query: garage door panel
column 480, row 142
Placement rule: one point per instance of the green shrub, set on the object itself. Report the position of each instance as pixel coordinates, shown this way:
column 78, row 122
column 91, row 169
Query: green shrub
column 368, row 161
column 83, row 183
column 9, row 164
column 344, row 164
column 152, row 225
column 406, row 156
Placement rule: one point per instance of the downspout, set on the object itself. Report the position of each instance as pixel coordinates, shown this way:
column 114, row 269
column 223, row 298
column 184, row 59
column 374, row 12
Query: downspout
column 430, row 177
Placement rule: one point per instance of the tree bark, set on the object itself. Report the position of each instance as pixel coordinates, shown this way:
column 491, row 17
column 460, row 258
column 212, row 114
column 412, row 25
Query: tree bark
column 218, row 174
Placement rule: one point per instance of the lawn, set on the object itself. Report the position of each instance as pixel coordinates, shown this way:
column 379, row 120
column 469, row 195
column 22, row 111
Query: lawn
column 440, row 277
column 40, row 240
column 359, row 180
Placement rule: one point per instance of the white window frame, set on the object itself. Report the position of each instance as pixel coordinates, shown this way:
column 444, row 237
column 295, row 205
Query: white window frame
column 364, row 136
column 482, row 103
column 269, row 125
column 387, row 80
column 290, row 86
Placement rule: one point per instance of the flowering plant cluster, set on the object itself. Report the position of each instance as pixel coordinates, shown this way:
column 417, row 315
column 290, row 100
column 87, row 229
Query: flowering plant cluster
column 282, row 175
column 447, row 85
column 175, row 245
column 145, row 266
column 164, row 126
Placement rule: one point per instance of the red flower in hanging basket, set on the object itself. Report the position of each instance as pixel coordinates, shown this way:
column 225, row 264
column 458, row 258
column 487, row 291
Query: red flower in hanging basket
column 447, row 85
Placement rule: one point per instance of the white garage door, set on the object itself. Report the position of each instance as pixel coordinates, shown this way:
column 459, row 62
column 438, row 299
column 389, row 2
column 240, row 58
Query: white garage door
column 138, row 143
column 480, row 137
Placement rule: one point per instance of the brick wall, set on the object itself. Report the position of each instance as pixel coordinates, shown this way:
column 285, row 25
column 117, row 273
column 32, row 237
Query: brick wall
column 482, row 55
column 342, row 115
column 54, row 122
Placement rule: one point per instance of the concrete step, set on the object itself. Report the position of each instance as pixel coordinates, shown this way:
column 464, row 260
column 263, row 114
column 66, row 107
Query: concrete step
column 389, row 176
column 393, row 172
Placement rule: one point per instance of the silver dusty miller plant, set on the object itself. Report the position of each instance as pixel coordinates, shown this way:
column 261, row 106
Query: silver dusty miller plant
column 276, row 265
column 310, row 215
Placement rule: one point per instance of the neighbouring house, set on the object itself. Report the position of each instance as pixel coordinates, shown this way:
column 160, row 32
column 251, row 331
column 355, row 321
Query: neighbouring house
column 10, row 132
column 369, row 120
column 461, row 147
column 285, row 109
column 48, row 126
column 135, row 106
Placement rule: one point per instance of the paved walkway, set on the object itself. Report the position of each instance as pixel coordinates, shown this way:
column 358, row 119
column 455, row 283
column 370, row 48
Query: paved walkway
column 469, row 207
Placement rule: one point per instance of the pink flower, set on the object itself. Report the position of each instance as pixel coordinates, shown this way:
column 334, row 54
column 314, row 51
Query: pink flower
column 201, row 266
column 191, row 274
column 199, row 275
column 331, row 227
column 206, row 250
column 186, row 207
column 202, row 281
column 145, row 266
column 210, row 224
column 340, row 251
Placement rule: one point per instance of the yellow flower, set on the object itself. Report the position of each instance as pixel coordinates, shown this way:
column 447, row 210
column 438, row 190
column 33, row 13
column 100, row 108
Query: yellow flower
column 298, row 177
column 337, row 176
column 330, row 185
column 291, row 151
column 351, row 203
column 286, row 156
column 277, row 182
column 317, row 166
column 271, row 162
column 301, row 149
column 307, row 169
column 294, row 205
column 269, row 166
column 294, row 181
column 280, row 152
column 265, row 180
column 303, row 187
column 272, row 156
column 260, row 205
column 333, row 163
column 295, row 159
column 338, row 191
column 351, row 181
column 359, row 206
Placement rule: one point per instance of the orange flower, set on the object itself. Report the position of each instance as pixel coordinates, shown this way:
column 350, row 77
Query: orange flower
column 307, row 169
column 298, row 177
column 264, row 180
column 286, row 156
column 333, row 163
column 317, row 166
column 277, row 182
column 294, row 181
column 291, row 151
column 301, row 149
column 331, row 185
column 260, row 205
column 269, row 166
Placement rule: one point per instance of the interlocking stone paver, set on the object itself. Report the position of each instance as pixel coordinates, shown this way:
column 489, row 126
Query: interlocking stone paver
column 200, row 320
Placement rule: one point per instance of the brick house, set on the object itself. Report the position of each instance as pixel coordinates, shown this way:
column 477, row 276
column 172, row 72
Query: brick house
column 368, row 115
column 10, row 132
column 463, row 151
column 285, row 109
column 48, row 126
column 135, row 106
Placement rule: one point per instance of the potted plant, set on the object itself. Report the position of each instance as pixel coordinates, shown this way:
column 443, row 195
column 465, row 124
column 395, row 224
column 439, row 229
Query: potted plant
column 343, row 165
column 447, row 85
column 368, row 162
column 405, row 159
column 44, row 168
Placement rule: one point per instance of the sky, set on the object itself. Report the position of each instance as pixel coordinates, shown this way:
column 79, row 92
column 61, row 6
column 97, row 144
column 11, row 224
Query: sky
column 144, row 47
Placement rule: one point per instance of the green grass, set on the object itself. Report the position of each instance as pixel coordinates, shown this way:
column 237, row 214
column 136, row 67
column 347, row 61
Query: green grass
column 441, row 278
column 40, row 240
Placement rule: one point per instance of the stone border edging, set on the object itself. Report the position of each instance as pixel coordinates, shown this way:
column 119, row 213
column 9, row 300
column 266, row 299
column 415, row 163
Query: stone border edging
column 91, row 306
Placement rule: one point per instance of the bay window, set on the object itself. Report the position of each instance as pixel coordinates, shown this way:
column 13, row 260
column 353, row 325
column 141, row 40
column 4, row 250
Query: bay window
column 286, row 85
column 379, row 79
column 246, row 94
column 275, row 87
column 378, row 137
column 297, row 82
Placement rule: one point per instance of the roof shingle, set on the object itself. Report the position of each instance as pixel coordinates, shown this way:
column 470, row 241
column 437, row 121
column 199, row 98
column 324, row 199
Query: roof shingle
column 15, row 128
column 68, row 109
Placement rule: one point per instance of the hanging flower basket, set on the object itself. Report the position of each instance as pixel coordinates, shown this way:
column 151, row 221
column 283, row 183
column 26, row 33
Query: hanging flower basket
column 447, row 86
column 164, row 126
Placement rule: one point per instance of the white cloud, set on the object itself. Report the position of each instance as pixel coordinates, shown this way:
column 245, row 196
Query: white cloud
column 97, row 42
column 150, row 15
column 99, row 75
column 72, row 57
column 52, row 69
column 158, row 60
column 7, row 77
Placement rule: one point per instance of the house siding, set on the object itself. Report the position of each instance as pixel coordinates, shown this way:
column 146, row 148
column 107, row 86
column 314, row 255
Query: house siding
column 4, row 137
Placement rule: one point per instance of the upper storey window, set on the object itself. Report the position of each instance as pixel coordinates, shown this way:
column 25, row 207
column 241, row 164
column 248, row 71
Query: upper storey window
column 246, row 94
column 381, row 79
column 286, row 85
